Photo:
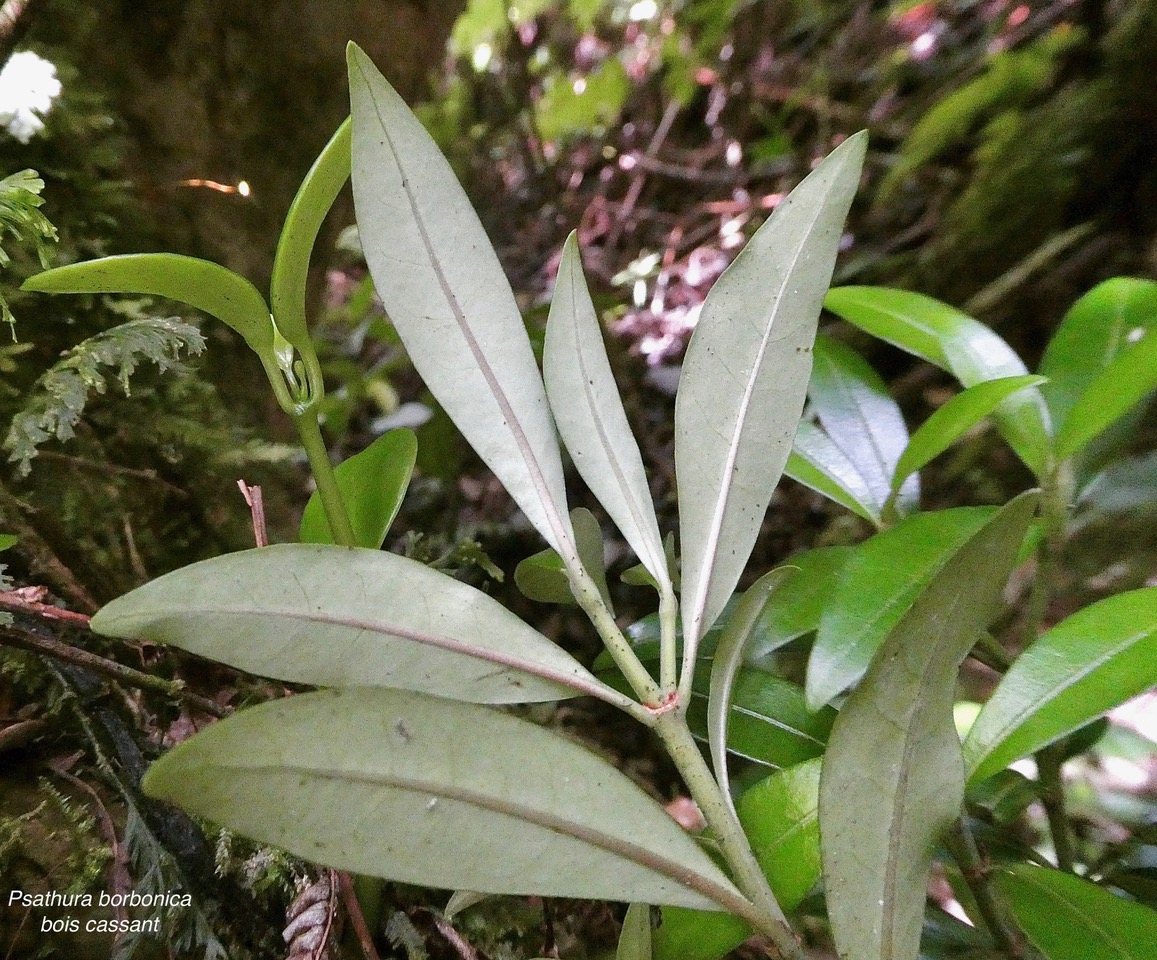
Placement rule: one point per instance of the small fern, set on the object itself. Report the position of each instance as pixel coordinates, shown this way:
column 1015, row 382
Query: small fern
column 20, row 216
column 60, row 395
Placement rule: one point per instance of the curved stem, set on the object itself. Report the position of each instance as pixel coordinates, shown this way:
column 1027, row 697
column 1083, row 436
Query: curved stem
column 335, row 512
column 681, row 745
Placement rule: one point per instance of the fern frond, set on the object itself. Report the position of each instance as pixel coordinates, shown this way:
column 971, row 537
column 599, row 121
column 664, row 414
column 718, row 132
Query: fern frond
column 59, row 399
column 20, row 216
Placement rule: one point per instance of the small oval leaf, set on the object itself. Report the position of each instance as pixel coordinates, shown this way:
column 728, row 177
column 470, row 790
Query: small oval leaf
column 744, row 380
column 392, row 783
column 342, row 616
column 372, row 484
column 1083, row 667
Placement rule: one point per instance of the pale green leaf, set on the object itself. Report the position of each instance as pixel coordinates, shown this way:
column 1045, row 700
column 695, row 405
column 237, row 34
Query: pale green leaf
column 1069, row 918
column 635, row 937
column 315, row 196
column 392, row 783
column 588, row 537
column 729, row 653
column 443, row 287
column 744, row 380
column 860, row 417
column 780, row 816
column 877, row 585
column 1126, row 381
column 954, row 419
column 955, row 342
column 542, row 577
column 372, row 484
column 893, row 778
column 342, row 616
column 1082, row 668
column 697, row 935
column 590, row 417
column 1093, row 332
column 207, row 286
column 816, row 462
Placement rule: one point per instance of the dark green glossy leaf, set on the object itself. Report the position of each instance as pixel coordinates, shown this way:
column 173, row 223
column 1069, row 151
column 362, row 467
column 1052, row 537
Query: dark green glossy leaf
column 207, row 286
column 372, row 484
column 797, row 603
column 1112, row 393
column 1093, row 332
column 744, row 380
column 392, row 783
column 342, row 616
column 955, row 342
column 769, row 722
column 877, row 585
column 697, row 935
column 635, row 937
column 954, row 419
column 442, row 285
column 861, row 418
column 780, row 816
column 893, row 778
column 1083, row 667
column 1069, row 918
column 816, row 462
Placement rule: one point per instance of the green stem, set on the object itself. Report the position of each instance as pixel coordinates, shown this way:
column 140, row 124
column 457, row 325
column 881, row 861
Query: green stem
column 1052, row 787
column 668, row 637
column 591, row 601
column 681, row 745
column 335, row 513
column 962, row 846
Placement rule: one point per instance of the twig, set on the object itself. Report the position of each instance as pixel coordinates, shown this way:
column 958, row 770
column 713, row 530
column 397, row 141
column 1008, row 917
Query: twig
column 636, row 187
column 357, row 919
column 1048, row 765
column 21, row 601
column 114, row 468
column 256, row 504
column 14, row 636
column 962, row 846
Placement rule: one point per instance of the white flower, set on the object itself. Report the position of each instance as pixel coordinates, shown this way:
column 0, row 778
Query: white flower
column 28, row 85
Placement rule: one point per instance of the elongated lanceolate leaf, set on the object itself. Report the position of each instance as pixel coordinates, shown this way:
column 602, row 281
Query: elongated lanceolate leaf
column 955, row 342
column 724, row 667
column 1068, row 918
column 405, row 786
column 861, row 418
column 953, row 420
column 893, row 778
column 590, row 416
column 877, row 585
column 444, row 289
column 319, row 189
column 1128, row 378
column 1082, row 668
column 207, row 286
column 744, row 381
column 1105, row 321
column 816, row 462
column 372, row 484
column 341, row 616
